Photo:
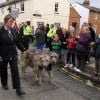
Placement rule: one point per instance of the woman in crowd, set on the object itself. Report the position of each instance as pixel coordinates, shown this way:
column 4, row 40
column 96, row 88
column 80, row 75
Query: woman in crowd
column 82, row 48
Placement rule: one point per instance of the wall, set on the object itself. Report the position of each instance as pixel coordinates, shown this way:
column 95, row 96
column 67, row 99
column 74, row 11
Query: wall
column 83, row 12
column 94, row 18
column 46, row 9
column 74, row 18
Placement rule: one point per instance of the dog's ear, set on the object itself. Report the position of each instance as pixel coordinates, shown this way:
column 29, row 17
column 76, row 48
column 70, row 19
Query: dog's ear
column 35, row 57
column 50, row 53
column 57, row 55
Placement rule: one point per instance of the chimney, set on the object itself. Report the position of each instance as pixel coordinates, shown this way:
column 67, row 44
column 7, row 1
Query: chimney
column 86, row 2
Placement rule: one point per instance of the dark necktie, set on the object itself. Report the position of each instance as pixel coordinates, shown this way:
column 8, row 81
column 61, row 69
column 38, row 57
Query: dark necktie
column 10, row 34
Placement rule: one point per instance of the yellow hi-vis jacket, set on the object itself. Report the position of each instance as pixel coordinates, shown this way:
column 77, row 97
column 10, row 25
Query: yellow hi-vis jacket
column 51, row 33
column 27, row 30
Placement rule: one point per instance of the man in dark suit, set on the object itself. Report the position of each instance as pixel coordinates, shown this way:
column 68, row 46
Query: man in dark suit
column 8, row 53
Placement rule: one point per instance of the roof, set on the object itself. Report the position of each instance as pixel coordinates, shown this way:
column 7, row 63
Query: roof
column 74, row 9
column 9, row 2
column 94, row 9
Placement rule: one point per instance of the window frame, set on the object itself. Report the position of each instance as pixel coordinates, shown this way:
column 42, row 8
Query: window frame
column 22, row 6
column 56, row 9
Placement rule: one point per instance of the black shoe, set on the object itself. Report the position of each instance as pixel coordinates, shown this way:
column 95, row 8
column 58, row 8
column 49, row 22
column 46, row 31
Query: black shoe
column 20, row 92
column 5, row 87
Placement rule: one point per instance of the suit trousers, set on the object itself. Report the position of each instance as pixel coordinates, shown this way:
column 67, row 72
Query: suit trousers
column 13, row 64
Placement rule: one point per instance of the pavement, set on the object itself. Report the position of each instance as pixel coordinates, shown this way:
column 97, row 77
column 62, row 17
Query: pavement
column 87, row 76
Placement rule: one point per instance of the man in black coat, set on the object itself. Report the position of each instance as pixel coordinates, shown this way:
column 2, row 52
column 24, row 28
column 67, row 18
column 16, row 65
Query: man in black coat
column 8, row 53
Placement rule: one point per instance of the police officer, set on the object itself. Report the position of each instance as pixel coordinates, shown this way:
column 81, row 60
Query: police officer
column 8, row 53
column 25, row 33
column 50, row 35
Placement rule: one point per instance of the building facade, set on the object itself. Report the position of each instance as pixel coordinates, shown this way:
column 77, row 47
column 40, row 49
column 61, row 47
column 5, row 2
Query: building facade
column 83, row 12
column 88, row 14
column 94, row 18
column 74, row 19
column 38, row 11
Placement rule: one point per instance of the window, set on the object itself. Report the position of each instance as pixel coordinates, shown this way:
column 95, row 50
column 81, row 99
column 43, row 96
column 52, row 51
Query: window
column 9, row 8
column 57, row 24
column 22, row 6
column 56, row 8
column 9, row 0
column 74, row 24
column 1, row 23
column 2, row 10
column 40, row 23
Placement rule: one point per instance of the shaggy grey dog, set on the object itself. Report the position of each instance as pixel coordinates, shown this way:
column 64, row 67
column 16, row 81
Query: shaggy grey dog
column 39, row 61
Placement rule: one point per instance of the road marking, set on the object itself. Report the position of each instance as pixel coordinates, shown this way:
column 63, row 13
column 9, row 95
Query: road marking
column 77, row 78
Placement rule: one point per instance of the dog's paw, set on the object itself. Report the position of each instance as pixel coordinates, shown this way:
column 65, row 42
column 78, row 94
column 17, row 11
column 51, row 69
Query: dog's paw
column 40, row 83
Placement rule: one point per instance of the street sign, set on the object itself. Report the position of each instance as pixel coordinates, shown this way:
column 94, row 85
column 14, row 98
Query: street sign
column 15, row 12
column 14, row 9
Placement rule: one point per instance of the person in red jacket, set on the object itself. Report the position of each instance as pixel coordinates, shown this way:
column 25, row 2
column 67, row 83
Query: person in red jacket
column 71, row 43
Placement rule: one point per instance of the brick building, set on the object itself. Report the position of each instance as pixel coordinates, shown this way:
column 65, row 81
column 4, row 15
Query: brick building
column 88, row 14
column 74, row 19
column 94, row 18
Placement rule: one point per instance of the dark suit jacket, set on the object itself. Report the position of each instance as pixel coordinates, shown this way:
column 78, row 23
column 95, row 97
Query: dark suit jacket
column 8, row 46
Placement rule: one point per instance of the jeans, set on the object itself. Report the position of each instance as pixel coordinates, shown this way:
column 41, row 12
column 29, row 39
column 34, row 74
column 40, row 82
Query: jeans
column 64, row 53
column 40, row 46
column 71, row 56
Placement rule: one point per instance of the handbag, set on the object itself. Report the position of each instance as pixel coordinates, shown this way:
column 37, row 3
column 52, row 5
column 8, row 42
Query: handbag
column 80, row 48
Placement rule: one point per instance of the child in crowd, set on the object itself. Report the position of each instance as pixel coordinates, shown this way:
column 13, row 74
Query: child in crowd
column 56, row 44
column 71, row 50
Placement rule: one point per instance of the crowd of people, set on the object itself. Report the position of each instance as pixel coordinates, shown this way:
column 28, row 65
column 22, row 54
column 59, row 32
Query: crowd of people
column 72, row 47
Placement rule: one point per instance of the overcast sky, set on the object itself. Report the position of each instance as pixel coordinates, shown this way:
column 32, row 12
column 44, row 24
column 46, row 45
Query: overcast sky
column 95, row 3
column 2, row 1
